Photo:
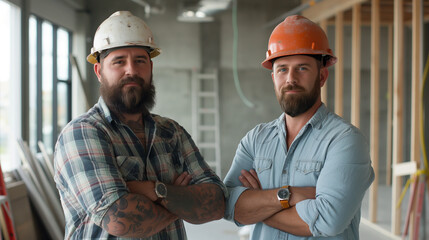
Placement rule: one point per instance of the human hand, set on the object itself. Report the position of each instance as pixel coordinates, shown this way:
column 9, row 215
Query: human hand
column 250, row 179
column 146, row 188
column 183, row 179
column 301, row 193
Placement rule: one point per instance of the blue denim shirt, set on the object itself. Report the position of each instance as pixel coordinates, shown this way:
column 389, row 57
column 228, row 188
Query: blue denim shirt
column 328, row 153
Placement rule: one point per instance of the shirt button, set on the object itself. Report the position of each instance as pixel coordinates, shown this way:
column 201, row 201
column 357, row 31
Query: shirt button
column 285, row 171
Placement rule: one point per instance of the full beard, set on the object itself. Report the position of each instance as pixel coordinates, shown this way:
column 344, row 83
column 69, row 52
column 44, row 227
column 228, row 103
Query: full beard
column 130, row 99
column 296, row 104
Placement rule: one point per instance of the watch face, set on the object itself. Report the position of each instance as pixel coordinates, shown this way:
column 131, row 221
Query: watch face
column 161, row 190
column 283, row 193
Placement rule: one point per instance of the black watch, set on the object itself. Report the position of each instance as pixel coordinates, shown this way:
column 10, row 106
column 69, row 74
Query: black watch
column 283, row 195
column 160, row 190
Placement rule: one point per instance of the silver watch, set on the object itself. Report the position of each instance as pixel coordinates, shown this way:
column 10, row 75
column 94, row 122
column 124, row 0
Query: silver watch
column 160, row 190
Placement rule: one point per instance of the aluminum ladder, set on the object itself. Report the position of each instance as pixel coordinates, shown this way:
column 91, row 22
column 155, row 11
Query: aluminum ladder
column 205, row 117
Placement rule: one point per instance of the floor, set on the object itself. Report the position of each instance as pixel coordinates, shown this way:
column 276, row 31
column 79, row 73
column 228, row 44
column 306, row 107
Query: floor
column 225, row 230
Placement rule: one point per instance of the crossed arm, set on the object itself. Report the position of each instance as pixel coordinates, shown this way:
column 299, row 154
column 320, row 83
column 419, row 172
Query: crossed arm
column 137, row 214
column 257, row 205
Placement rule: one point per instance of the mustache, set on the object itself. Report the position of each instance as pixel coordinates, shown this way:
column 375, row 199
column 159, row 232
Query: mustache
column 292, row 88
column 133, row 79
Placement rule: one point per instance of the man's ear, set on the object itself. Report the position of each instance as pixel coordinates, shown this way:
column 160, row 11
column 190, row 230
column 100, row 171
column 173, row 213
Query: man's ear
column 97, row 70
column 272, row 76
column 323, row 76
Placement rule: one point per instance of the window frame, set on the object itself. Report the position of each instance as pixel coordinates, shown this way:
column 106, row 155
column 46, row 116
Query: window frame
column 55, row 82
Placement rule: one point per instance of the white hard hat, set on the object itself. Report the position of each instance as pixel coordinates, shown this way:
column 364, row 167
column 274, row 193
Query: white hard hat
column 122, row 29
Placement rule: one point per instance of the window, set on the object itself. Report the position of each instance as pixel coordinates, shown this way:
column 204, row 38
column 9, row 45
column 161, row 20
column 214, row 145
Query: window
column 50, row 81
column 10, row 84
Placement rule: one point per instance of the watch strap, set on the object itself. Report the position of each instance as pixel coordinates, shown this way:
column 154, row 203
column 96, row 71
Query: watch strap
column 285, row 203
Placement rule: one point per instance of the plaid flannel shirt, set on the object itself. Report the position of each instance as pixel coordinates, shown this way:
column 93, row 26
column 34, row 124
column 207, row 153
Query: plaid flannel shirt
column 96, row 155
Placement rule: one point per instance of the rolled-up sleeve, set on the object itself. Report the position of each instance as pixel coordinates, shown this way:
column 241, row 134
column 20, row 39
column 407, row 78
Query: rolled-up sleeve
column 243, row 160
column 86, row 169
column 343, row 180
column 195, row 163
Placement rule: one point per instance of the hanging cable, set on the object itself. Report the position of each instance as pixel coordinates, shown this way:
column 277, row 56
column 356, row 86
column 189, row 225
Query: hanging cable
column 425, row 168
column 234, row 56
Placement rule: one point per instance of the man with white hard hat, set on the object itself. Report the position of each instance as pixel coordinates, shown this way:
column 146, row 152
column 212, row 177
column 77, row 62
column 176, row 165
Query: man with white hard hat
column 303, row 175
column 121, row 171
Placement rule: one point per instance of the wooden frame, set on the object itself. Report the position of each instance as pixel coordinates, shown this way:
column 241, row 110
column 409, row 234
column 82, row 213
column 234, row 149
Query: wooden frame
column 356, row 58
column 394, row 14
column 339, row 68
column 375, row 96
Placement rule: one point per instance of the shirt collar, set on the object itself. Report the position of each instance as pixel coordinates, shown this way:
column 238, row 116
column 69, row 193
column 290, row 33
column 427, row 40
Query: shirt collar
column 110, row 117
column 315, row 121
column 106, row 111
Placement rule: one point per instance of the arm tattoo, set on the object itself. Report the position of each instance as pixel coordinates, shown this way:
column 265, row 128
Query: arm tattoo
column 136, row 216
column 197, row 203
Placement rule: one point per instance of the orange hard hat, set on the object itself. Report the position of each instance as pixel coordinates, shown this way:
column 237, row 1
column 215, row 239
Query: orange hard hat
column 298, row 35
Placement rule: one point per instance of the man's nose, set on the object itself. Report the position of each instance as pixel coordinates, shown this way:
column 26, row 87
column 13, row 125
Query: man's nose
column 291, row 77
column 131, row 69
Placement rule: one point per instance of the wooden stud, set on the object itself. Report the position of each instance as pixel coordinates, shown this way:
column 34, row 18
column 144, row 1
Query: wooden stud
column 398, row 109
column 415, row 93
column 324, row 93
column 339, row 68
column 356, row 57
column 375, row 98
column 416, row 68
column 389, row 105
column 328, row 8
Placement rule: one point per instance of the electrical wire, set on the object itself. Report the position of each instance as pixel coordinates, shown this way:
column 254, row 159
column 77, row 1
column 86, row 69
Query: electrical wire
column 425, row 170
column 234, row 56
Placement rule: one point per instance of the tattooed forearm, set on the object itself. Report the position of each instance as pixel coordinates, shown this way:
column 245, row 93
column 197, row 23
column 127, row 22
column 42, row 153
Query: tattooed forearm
column 136, row 216
column 197, row 203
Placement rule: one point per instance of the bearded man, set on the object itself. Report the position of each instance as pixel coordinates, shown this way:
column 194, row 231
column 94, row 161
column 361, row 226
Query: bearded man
column 121, row 171
column 303, row 175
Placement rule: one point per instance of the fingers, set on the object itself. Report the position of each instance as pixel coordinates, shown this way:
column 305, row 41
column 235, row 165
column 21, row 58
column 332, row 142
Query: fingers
column 183, row 179
column 132, row 186
column 255, row 175
column 250, row 179
column 244, row 182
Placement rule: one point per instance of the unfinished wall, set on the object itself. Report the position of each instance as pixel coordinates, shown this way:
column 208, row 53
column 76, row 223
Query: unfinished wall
column 192, row 46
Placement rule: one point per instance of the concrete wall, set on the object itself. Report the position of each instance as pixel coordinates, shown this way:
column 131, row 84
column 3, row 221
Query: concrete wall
column 196, row 46
column 187, row 47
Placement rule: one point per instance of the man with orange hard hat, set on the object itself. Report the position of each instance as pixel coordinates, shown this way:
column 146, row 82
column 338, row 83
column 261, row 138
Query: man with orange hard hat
column 122, row 172
column 303, row 175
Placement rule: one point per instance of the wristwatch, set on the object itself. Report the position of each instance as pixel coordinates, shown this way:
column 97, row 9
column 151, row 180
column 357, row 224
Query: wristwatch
column 160, row 190
column 283, row 195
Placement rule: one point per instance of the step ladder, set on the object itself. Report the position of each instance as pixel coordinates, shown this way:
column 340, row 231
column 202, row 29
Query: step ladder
column 205, row 117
